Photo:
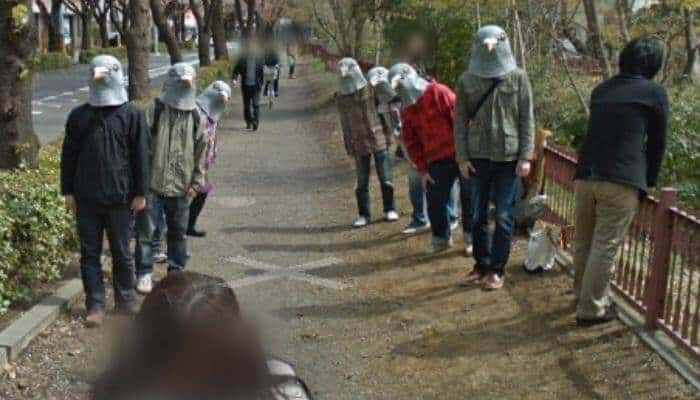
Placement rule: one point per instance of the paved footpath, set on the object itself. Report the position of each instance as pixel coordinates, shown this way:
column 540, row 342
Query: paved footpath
column 361, row 313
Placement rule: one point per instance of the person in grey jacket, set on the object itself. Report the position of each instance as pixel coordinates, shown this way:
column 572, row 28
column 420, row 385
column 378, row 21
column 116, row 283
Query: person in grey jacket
column 494, row 136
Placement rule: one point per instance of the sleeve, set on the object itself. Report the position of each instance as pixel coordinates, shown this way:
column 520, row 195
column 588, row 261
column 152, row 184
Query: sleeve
column 460, row 124
column 413, row 145
column 346, row 128
column 200, row 151
column 526, row 125
column 656, row 138
column 69, row 156
column 141, row 151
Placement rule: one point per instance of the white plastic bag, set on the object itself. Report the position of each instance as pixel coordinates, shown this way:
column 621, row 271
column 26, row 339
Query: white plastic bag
column 545, row 241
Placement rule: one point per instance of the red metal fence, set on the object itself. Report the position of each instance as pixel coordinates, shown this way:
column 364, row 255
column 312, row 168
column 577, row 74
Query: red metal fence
column 658, row 270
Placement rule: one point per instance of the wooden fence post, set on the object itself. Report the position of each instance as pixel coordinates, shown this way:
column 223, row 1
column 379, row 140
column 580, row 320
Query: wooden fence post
column 662, row 232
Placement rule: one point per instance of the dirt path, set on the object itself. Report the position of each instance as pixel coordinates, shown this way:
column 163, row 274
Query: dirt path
column 364, row 315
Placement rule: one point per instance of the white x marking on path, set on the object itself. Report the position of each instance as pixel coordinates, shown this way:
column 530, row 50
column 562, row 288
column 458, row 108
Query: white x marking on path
column 297, row 272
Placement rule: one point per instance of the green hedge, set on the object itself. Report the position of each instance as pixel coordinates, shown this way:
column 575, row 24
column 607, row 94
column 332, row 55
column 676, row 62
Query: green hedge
column 51, row 61
column 87, row 55
column 188, row 45
column 217, row 70
column 37, row 235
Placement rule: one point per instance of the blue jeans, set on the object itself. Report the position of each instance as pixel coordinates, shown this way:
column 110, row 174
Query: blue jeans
column 292, row 68
column 159, row 233
column 382, row 163
column 176, row 211
column 93, row 222
column 417, row 197
column 495, row 179
column 438, row 194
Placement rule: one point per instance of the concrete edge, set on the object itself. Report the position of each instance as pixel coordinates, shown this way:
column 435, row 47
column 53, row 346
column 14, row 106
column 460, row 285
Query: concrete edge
column 16, row 337
column 658, row 341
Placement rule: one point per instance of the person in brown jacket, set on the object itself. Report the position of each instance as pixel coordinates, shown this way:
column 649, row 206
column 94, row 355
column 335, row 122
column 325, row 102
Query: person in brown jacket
column 364, row 138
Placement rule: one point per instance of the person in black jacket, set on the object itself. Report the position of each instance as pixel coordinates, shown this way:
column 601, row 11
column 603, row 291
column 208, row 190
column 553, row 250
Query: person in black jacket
column 618, row 161
column 250, row 69
column 104, row 175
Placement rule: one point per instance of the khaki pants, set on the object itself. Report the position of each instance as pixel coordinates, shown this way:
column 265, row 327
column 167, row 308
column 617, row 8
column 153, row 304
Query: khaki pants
column 604, row 212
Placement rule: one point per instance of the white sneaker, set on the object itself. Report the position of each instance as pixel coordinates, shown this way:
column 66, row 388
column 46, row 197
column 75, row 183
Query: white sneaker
column 468, row 244
column 144, row 284
column 392, row 216
column 415, row 228
column 454, row 225
column 360, row 222
column 160, row 258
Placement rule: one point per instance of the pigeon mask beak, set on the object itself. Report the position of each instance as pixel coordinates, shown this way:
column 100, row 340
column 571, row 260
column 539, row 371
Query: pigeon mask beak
column 490, row 44
column 188, row 80
column 225, row 96
column 374, row 81
column 395, row 83
column 100, row 73
column 344, row 72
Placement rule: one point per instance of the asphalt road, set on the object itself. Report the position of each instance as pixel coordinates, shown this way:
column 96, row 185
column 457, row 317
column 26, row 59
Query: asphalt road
column 57, row 92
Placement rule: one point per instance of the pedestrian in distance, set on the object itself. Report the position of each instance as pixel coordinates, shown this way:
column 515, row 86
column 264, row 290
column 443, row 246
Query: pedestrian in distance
column 211, row 104
column 249, row 69
column 427, row 121
column 292, row 55
column 494, row 134
column 365, row 138
column 178, row 171
column 104, row 178
column 272, row 62
column 620, row 158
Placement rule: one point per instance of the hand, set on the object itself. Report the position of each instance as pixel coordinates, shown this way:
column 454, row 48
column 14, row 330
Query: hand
column 523, row 168
column 426, row 180
column 467, row 169
column 233, row 83
column 71, row 203
column 470, row 123
column 191, row 194
column 138, row 204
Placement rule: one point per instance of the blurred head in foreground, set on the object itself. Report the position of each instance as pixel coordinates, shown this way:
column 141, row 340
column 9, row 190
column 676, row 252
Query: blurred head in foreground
column 642, row 56
column 189, row 343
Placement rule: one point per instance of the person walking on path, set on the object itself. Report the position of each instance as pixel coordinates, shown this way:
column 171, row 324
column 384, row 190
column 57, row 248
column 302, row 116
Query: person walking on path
column 428, row 119
column 619, row 160
column 249, row 69
column 104, row 178
column 211, row 104
column 272, row 61
column 178, row 160
column 292, row 55
column 494, row 133
column 364, row 138
column 389, row 108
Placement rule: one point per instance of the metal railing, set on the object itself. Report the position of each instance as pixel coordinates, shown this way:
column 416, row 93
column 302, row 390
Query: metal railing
column 658, row 270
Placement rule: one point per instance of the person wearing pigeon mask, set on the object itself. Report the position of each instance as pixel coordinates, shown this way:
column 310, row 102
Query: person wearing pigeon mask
column 494, row 134
column 364, row 138
column 178, row 171
column 212, row 104
column 389, row 107
column 104, row 178
column 428, row 117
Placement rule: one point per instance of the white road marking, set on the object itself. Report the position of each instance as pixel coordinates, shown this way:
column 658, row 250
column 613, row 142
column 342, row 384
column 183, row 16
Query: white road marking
column 48, row 98
column 67, row 93
column 297, row 272
column 84, row 89
column 36, row 112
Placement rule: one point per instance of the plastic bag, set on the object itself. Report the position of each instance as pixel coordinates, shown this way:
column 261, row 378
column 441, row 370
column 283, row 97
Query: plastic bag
column 545, row 241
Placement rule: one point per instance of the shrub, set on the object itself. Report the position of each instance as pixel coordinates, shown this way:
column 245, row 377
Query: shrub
column 87, row 55
column 37, row 235
column 217, row 70
column 51, row 61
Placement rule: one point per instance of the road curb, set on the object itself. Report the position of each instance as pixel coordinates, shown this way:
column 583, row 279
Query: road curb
column 16, row 337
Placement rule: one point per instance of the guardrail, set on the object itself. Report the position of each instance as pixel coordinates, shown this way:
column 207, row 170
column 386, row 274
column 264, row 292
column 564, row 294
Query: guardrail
column 658, row 271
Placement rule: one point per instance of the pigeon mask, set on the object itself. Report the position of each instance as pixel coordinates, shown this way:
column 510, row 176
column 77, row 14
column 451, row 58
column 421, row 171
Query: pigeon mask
column 180, row 88
column 491, row 55
column 378, row 78
column 351, row 77
column 407, row 83
column 213, row 99
column 107, row 82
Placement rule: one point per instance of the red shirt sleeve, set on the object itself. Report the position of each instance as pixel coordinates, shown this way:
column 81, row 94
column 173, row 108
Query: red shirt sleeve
column 447, row 100
column 414, row 147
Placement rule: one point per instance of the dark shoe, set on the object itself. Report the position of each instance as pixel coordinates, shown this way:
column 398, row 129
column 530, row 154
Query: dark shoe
column 248, row 125
column 473, row 278
column 195, row 233
column 609, row 316
column 94, row 318
column 255, row 126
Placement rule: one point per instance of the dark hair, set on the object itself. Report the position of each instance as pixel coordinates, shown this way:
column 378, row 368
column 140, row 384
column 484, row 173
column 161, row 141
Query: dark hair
column 189, row 342
column 642, row 56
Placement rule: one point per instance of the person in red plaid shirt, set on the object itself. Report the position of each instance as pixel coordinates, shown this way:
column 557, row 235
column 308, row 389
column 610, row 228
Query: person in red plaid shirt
column 428, row 120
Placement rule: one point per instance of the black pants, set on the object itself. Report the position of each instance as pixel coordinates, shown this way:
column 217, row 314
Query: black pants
column 251, row 103
column 195, row 209
column 117, row 222
column 444, row 173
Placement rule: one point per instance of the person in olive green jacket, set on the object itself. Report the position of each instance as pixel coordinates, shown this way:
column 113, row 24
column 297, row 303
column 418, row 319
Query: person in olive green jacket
column 494, row 139
column 177, row 171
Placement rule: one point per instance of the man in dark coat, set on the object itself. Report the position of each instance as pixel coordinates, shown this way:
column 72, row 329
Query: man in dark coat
column 620, row 158
column 250, row 69
column 104, row 175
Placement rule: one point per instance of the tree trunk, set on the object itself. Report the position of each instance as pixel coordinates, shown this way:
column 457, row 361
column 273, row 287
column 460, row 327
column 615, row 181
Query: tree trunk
column 199, row 10
column 56, row 42
column 104, row 33
column 597, row 38
column 165, row 32
column 18, row 142
column 86, row 39
column 219, row 30
column 137, row 49
column 692, row 48
column 622, row 12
